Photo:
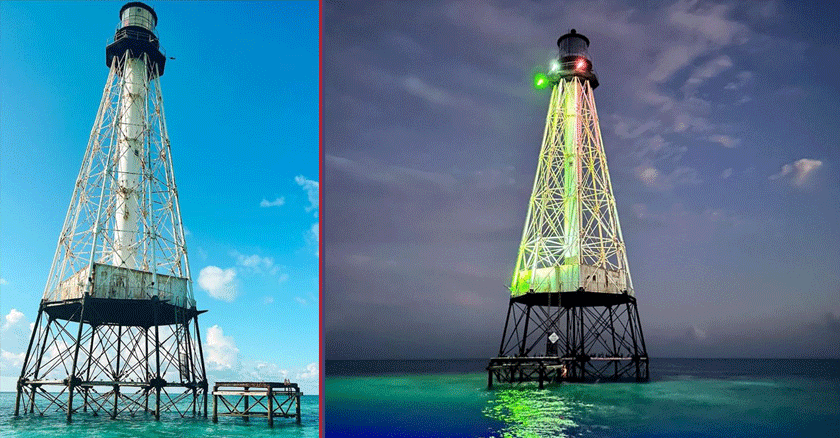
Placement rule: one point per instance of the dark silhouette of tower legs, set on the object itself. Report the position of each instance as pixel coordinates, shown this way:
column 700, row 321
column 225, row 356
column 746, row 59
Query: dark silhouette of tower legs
column 572, row 336
column 111, row 366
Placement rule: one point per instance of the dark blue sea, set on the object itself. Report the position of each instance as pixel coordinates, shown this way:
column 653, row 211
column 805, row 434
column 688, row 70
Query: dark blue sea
column 685, row 398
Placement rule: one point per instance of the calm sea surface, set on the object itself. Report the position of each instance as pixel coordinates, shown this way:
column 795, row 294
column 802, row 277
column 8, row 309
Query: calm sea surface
column 85, row 425
column 685, row 398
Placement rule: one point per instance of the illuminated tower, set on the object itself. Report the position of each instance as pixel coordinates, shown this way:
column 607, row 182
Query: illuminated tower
column 114, row 325
column 572, row 312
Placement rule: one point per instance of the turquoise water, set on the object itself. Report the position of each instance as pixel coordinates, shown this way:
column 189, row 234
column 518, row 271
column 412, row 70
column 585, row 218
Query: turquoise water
column 686, row 398
column 84, row 425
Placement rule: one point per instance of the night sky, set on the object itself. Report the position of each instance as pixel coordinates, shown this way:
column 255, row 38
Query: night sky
column 720, row 123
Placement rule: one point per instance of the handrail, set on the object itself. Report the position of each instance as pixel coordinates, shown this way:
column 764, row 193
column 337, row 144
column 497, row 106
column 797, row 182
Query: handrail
column 137, row 35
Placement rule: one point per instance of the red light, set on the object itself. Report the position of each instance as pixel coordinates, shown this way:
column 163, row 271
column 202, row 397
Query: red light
column 581, row 64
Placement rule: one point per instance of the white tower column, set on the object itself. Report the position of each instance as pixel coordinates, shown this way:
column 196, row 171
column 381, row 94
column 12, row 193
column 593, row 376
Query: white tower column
column 130, row 145
column 571, row 172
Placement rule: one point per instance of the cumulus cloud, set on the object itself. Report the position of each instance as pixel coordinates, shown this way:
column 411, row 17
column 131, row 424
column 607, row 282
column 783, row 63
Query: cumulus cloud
column 225, row 362
column 266, row 371
column 275, row 203
column 726, row 173
column 12, row 318
column 311, row 189
column 725, row 140
column 741, row 79
column 221, row 350
column 255, row 263
column 11, row 359
column 705, row 72
column 310, row 373
column 799, row 173
column 218, row 282
column 313, row 235
column 657, row 180
column 3, row 281
column 416, row 87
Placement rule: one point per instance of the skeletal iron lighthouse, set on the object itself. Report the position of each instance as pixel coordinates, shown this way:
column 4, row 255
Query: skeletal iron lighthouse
column 113, row 332
column 572, row 313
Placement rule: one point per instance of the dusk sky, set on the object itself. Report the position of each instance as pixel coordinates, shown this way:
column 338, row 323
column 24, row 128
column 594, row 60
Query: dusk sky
column 241, row 100
column 720, row 126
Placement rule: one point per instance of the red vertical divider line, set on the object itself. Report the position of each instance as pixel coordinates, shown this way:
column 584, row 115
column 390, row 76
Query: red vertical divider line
column 321, row 427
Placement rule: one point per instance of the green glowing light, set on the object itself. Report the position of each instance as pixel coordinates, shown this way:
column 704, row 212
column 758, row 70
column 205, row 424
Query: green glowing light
column 540, row 81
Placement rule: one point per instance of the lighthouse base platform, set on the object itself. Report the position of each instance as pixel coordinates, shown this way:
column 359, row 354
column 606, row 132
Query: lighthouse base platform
column 575, row 336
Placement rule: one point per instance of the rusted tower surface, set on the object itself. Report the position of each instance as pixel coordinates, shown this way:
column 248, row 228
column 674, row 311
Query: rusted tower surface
column 117, row 328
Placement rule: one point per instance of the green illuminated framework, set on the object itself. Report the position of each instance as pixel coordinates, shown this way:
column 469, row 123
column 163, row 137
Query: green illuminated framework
column 572, row 238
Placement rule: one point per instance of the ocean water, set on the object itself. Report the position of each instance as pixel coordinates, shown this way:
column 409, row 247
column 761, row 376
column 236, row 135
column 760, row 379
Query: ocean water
column 54, row 424
column 685, row 398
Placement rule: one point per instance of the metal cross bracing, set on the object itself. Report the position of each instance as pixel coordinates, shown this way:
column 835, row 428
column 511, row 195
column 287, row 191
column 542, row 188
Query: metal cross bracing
column 572, row 218
column 589, row 343
column 90, row 231
column 572, row 313
column 114, row 324
column 161, row 362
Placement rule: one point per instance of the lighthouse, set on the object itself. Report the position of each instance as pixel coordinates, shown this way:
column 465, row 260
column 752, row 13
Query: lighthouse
column 572, row 312
column 117, row 329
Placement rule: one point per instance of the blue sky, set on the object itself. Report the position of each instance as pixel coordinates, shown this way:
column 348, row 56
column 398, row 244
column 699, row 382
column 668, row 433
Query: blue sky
column 241, row 101
column 719, row 121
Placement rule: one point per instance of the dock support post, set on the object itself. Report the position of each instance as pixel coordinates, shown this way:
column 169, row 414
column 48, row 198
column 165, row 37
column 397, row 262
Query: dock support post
column 215, row 408
column 297, row 399
column 247, row 398
column 270, row 408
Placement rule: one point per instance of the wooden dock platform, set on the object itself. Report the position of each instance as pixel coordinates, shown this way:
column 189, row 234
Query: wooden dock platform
column 556, row 369
column 256, row 399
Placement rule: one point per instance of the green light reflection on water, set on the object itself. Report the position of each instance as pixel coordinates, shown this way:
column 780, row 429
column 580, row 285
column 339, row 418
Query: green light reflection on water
column 531, row 413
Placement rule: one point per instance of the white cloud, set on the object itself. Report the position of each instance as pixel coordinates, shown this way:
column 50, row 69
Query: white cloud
column 266, row 371
column 221, row 351
column 708, row 22
column 11, row 359
column 742, row 79
column 725, row 140
column 313, row 232
column 300, row 301
column 312, row 237
column 416, row 87
column 799, row 172
column 311, row 189
column 255, row 263
column 672, row 59
column 275, row 203
column 12, row 318
column 707, row 71
column 726, row 173
column 268, row 300
column 218, row 282
column 282, row 278
column 658, row 180
column 3, row 281
column 310, row 373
